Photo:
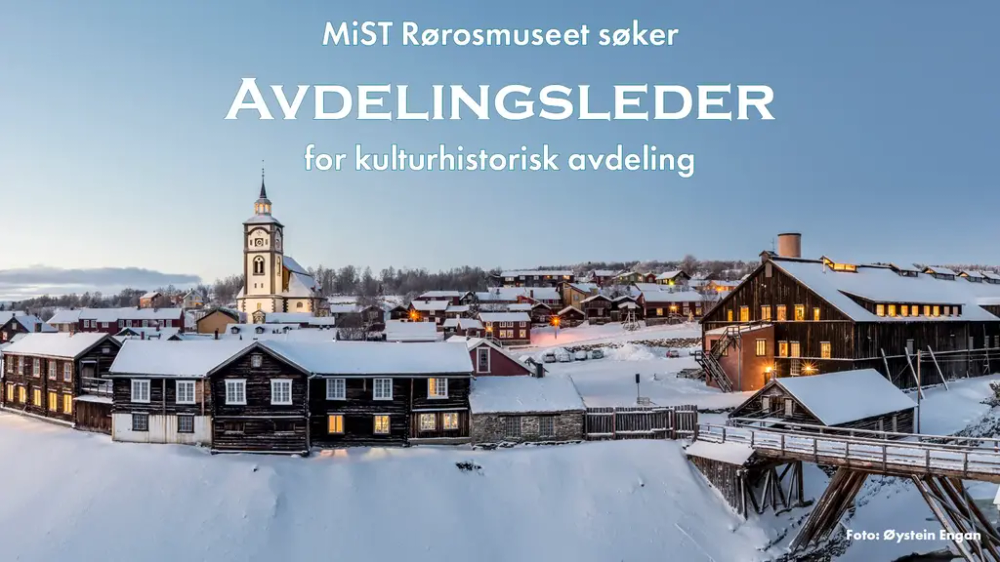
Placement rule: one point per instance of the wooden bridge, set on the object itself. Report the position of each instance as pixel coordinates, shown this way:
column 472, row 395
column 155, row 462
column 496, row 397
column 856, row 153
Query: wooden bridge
column 936, row 464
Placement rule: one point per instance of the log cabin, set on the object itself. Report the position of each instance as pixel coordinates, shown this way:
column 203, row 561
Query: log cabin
column 507, row 328
column 830, row 315
column 536, row 277
column 161, row 393
column 664, row 303
column 570, row 316
column 672, row 278
column 368, row 393
column 862, row 399
column 23, row 324
column 61, row 377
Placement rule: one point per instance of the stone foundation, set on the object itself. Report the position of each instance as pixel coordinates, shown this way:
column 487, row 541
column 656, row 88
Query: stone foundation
column 493, row 428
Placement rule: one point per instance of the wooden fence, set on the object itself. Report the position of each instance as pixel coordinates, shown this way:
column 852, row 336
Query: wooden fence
column 640, row 422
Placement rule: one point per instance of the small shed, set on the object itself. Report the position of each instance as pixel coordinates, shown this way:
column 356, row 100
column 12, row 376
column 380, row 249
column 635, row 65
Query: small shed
column 861, row 399
column 571, row 316
column 525, row 409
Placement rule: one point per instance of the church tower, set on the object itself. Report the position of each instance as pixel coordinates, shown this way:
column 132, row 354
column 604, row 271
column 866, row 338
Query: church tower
column 262, row 259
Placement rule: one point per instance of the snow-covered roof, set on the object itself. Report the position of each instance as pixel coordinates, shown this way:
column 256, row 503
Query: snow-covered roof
column 61, row 345
column 539, row 272
column 524, row 394
column 990, row 275
column 246, row 329
column 429, row 306
column 656, row 293
column 298, row 318
column 469, row 324
column 8, row 343
column 604, row 272
column 458, row 308
column 596, row 298
column 6, row 315
column 352, row 358
column 342, row 299
column 668, row 275
column 441, row 295
column 344, row 308
column 511, row 294
column 301, row 285
column 519, row 307
column 729, row 453
column 881, row 284
column 150, row 294
column 32, row 323
column 400, row 331
column 65, row 316
column 148, row 333
column 262, row 219
column 940, row 270
column 846, row 396
column 504, row 317
column 450, row 323
column 128, row 313
column 181, row 359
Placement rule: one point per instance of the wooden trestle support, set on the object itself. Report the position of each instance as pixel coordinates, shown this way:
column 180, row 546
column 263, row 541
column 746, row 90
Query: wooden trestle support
column 946, row 496
column 764, row 487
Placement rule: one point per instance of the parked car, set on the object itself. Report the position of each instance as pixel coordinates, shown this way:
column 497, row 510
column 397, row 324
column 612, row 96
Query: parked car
column 549, row 357
column 580, row 355
column 673, row 353
column 597, row 354
column 563, row 357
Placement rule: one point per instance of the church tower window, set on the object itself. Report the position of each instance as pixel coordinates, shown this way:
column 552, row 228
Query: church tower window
column 258, row 265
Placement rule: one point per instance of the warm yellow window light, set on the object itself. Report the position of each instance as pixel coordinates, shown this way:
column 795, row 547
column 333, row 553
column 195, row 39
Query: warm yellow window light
column 335, row 423
column 892, row 310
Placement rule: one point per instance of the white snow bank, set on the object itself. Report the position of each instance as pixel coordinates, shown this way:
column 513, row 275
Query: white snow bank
column 629, row 352
column 524, row 393
column 626, row 500
column 732, row 453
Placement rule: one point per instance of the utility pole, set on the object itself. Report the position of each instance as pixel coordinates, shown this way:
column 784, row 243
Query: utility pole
column 919, row 391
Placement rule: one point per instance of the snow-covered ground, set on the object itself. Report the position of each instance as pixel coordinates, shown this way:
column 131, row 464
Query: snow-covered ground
column 611, row 332
column 73, row 495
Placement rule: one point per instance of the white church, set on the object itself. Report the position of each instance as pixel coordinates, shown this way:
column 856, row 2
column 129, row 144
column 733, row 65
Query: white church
column 273, row 282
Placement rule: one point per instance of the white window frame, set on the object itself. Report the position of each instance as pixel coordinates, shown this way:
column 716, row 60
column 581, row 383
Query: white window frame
column 177, row 391
column 432, row 426
column 381, row 385
column 186, row 416
column 332, row 389
column 236, row 384
column 54, row 368
column 256, row 361
column 278, row 384
column 68, row 371
column 36, row 367
column 479, row 361
column 140, row 391
column 388, row 428
column 444, row 423
column 439, row 384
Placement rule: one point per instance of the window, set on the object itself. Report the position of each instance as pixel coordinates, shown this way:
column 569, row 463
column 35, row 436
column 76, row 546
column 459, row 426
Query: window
column 140, row 422
column 904, row 310
column 10, row 392
column 915, row 310
column 744, row 314
column 880, row 309
column 765, row 403
column 336, row 389
column 761, row 348
column 546, row 426
column 233, row 427
column 256, row 360
column 236, row 392
column 53, row 374
column 67, row 403
column 765, row 312
column 437, row 388
column 258, row 265
column 185, row 392
column 816, row 314
column 789, row 407
column 782, row 313
column 927, row 310
column 68, row 371
column 512, row 426
column 972, row 342
column 428, row 422
column 800, row 312
column 281, row 392
column 824, row 349
column 892, row 310
column 729, row 315
column 449, row 421
column 36, row 368
column 382, row 389
column 20, row 366
column 335, row 424
column 659, row 312
column 22, row 394
column 782, row 349
column 947, row 311
column 909, row 347
column 140, row 390
column 53, row 402
column 937, row 310
column 523, row 334
column 185, row 424
column 381, row 423
column 483, row 359
column 795, row 349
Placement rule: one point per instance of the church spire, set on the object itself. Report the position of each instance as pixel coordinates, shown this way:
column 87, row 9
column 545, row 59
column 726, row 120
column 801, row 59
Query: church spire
column 263, row 205
column 263, row 192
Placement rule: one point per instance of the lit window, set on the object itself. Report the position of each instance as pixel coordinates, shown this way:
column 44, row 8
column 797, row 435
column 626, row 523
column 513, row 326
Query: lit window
column 10, row 392
column 761, row 348
column 927, row 310
column 729, row 315
column 947, row 310
column 937, row 310
column 336, row 389
column 281, row 392
column 744, row 314
column 381, row 422
column 904, row 310
column 892, row 310
column 185, row 424
column 800, row 312
column 236, row 392
column 22, row 394
column 437, row 388
column 915, row 310
column 140, row 390
column 449, row 421
column 67, row 403
column 782, row 349
column 880, row 309
column 335, row 423
column 382, row 389
column 185, row 392
column 765, row 312
column 824, row 349
column 816, row 314
column 782, row 313
column 795, row 349
column 428, row 422
column 53, row 402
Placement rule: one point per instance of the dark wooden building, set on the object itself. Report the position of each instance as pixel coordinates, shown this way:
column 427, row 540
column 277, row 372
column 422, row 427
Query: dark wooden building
column 861, row 399
column 23, row 324
column 536, row 277
column 62, row 377
column 570, row 316
column 832, row 316
column 507, row 328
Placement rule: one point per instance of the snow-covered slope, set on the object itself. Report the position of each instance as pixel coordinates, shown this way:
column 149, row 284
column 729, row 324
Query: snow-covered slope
column 76, row 496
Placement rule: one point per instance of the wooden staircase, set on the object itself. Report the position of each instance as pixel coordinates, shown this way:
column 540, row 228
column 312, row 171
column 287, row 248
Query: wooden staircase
column 709, row 362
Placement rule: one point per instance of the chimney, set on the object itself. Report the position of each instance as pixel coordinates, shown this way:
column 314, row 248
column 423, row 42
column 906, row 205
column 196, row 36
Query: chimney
column 790, row 245
column 142, row 335
column 38, row 327
column 216, row 333
column 539, row 370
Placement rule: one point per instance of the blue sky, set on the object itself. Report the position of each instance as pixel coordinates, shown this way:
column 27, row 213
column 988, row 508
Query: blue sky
column 114, row 151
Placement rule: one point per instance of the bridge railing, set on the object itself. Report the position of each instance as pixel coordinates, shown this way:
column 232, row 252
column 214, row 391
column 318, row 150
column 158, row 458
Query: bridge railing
column 939, row 440
column 887, row 455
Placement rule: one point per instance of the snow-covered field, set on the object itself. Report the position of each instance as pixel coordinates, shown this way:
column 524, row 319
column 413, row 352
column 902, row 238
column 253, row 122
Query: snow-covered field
column 77, row 496
column 609, row 333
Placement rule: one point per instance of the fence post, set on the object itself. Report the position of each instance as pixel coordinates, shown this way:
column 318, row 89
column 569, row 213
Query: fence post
column 723, row 434
column 752, row 434
column 927, row 459
column 782, row 442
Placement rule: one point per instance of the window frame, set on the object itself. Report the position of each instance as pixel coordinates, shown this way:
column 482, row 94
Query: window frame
column 427, row 422
column 137, row 397
column 279, row 384
column 236, row 383
column 140, row 416
column 825, row 350
column 438, row 383
column 444, row 421
column 68, row 371
column 381, row 382
column 332, row 387
column 479, row 359
column 335, row 429
column 387, row 429
column 760, row 347
column 544, row 421
column 187, row 417
column 177, row 391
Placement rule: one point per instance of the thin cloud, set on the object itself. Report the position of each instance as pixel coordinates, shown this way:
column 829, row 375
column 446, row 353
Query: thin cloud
column 23, row 283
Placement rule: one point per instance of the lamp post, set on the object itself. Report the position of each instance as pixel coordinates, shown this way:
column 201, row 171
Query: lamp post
column 555, row 325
